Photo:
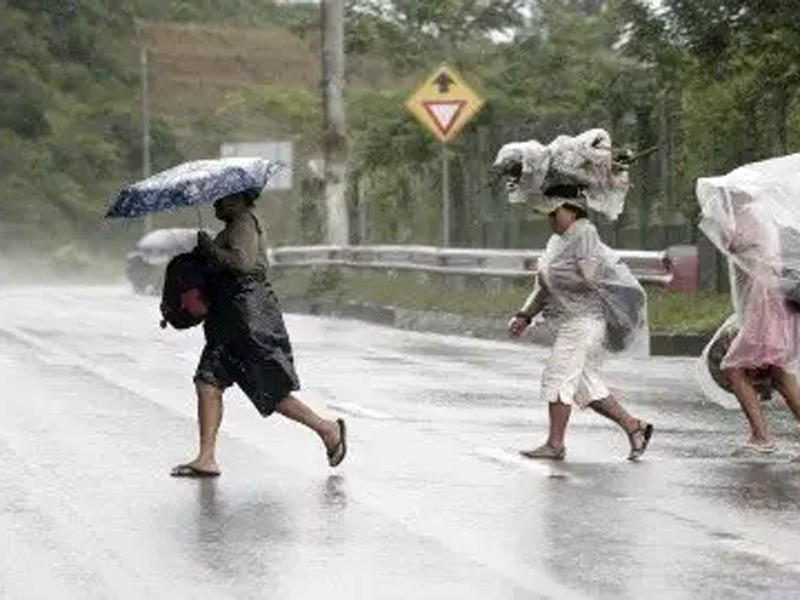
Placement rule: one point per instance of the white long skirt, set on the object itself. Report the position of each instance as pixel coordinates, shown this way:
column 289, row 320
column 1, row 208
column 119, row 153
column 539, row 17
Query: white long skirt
column 572, row 371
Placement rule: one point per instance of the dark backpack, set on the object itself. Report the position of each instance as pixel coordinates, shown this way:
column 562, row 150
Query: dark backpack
column 184, row 273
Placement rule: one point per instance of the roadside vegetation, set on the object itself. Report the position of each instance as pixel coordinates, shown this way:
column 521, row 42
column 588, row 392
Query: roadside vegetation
column 672, row 312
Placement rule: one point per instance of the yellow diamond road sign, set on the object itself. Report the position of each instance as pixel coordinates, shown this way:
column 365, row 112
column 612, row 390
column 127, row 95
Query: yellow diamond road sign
column 444, row 103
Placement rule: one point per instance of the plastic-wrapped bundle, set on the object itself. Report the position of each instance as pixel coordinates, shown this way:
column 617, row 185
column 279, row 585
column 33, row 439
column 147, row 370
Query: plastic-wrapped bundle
column 585, row 161
column 525, row 164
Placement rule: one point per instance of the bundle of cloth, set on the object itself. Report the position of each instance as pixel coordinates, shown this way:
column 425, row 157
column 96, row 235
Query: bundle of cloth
column 586, row 162
column 584, row 172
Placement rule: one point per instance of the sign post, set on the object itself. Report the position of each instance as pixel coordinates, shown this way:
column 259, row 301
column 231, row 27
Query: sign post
column 444, row 103
column 445, row 197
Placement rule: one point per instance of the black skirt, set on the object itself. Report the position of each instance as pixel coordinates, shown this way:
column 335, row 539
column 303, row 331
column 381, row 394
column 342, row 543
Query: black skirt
column 247, row 342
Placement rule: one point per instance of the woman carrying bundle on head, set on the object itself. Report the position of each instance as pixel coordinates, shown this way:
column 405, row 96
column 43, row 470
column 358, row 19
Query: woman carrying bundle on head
column 575, row 277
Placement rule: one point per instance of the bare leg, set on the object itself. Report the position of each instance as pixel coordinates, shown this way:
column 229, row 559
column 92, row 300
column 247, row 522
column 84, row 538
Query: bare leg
column 559, row 419
column 638, row 431
column 750, row 403
column 293, row 408
column 788, row 387
column 611, row 409
column 553, row 448
column 209, row 418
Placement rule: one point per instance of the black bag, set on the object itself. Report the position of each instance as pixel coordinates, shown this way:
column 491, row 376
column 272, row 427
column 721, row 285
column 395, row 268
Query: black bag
column 185, row 272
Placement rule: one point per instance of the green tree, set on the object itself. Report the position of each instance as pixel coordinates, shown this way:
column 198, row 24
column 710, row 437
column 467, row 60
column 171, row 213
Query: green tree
column 411, row 34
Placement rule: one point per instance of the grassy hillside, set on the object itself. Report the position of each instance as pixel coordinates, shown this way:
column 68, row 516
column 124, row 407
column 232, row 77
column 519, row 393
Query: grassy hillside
column 214, row 84
column 70, row 116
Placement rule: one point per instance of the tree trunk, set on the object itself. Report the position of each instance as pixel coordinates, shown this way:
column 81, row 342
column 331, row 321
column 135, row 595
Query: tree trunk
column 334, row 140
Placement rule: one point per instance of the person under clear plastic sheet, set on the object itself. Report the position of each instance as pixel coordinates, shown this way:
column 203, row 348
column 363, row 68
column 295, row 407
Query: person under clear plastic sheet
column 246, row 339
column 570, row 295
column 767, row 338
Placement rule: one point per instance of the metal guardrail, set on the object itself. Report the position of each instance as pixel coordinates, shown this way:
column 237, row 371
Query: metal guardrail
column 647, row 266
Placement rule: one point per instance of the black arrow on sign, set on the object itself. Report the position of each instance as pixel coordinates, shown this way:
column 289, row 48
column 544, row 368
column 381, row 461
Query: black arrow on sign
column 443, row 81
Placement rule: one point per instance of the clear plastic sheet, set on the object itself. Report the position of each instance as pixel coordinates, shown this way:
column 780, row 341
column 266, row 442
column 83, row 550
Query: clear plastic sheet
column 752, row 215
column 601, row 284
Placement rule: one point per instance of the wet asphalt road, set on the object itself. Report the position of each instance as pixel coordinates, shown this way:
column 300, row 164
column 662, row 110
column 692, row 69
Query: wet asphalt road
column 431, row 502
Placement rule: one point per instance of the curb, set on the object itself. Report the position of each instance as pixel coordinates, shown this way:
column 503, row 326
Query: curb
column 661, row 344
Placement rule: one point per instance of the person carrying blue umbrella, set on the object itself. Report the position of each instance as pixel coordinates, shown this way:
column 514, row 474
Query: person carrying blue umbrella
column 246, row 338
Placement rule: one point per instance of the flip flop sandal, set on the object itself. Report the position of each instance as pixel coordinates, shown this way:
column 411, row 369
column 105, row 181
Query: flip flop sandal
column 192, row 472
column 339, row 451
column 638, row 447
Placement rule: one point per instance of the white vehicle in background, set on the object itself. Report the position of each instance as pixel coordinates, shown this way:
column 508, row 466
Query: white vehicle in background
column 147, row 260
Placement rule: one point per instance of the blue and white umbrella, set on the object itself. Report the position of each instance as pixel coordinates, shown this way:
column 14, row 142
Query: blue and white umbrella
column 192, row 184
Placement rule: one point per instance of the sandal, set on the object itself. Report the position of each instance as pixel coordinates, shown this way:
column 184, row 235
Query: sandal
column 544, row 452
column 339, row 451
column 192, row 472
column 639, row 440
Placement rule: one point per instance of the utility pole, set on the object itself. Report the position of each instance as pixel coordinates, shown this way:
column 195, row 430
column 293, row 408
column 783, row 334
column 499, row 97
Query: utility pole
column 148, row 222
column 334, row 137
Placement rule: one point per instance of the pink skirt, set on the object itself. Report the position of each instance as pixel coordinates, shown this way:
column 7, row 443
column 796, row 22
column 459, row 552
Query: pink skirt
column 768, row 333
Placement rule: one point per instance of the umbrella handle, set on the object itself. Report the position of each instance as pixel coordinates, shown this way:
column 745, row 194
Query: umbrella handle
column 199, row 216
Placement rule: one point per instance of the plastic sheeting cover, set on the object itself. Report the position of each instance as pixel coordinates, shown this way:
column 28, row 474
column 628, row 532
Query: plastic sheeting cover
column 585, row 160
column 752, row 215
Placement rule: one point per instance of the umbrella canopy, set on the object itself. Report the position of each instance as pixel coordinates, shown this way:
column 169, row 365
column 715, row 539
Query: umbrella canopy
column 192, row 184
